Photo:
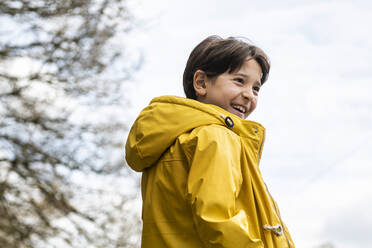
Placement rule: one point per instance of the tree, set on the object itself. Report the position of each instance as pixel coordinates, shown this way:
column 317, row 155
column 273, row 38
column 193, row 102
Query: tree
column 63, row 71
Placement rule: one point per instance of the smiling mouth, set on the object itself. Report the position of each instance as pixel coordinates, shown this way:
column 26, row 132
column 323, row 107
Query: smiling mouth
column 239, row 108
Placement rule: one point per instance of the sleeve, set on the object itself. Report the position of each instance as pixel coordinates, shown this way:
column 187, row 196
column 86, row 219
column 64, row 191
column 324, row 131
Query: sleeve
column 212, row 188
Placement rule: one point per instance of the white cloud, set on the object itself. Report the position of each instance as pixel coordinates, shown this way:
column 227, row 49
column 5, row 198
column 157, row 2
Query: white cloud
column 351, row 227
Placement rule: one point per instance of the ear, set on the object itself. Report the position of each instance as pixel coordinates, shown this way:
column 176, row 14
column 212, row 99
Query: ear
column 199, row 83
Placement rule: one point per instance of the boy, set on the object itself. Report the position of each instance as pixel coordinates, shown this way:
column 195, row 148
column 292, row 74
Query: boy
column 201, row 185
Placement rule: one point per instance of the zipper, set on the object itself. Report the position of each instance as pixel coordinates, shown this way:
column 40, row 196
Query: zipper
column 277, row 213
column 267, row 190
column 260, row 149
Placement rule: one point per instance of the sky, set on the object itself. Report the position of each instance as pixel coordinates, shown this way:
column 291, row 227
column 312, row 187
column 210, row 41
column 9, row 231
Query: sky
column 316, row 105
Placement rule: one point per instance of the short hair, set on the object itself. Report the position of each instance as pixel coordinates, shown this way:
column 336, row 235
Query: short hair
column 216, row 55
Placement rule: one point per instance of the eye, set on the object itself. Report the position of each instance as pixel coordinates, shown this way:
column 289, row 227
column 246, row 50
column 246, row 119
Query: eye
column 239, row 80
column 256, row 88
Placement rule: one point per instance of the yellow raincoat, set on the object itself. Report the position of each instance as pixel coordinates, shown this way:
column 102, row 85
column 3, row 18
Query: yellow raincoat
column 201, row 185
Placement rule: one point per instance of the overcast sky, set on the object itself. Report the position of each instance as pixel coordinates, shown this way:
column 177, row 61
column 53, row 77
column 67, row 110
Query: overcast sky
column 316, row 105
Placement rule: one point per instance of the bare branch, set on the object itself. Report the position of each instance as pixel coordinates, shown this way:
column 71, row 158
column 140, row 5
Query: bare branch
column 61, row 109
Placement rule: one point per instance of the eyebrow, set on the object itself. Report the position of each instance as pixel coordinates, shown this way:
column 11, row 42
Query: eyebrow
column 245, row 75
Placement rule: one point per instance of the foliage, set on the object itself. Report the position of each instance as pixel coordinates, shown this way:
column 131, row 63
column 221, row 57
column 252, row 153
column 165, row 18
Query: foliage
column 63, row 71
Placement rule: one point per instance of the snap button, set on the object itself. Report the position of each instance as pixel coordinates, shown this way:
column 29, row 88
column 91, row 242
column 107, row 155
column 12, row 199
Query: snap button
column 229, row 122
column 255, row 130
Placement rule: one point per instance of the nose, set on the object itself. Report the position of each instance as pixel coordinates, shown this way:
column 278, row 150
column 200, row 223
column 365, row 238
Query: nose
column 247, row 93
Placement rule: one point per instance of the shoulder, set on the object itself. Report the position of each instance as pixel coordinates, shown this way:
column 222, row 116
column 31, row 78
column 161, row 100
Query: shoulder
column 211, row 136
column 215, row 132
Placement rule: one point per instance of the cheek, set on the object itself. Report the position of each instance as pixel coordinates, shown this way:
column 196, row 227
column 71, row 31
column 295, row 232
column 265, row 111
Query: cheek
column 253, row 104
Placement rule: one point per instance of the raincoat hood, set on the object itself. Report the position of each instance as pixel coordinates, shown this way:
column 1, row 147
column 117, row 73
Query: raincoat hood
column 166, row 118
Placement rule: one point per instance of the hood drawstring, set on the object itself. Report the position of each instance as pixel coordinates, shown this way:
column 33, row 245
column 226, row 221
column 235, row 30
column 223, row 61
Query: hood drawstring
column 228, row 121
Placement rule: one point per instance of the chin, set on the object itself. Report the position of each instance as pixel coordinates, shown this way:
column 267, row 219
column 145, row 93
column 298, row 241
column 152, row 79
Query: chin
column 238, row 114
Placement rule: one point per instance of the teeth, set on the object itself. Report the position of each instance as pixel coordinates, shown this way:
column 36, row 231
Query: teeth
column 240, row 108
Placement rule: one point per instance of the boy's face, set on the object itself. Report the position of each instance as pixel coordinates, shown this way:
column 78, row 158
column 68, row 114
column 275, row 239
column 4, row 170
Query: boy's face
column 236, row 92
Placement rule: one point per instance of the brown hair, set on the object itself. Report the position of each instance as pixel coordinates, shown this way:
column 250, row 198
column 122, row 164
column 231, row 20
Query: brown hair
column 216, row 55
